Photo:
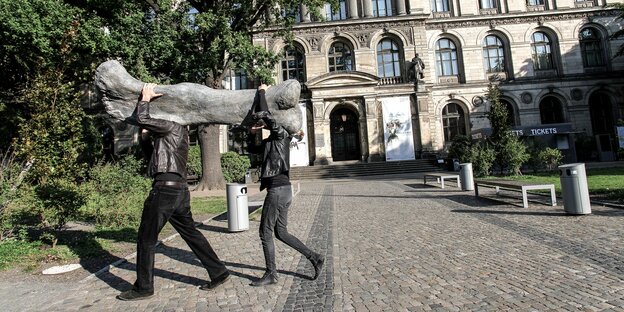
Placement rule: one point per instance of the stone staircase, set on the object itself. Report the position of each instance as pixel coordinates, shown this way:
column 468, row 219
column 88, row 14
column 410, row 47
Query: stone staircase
column 363, row 169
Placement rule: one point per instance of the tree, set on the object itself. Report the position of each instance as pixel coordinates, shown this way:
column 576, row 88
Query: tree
column 620, row 32
column 510, row 152
column 220, row 39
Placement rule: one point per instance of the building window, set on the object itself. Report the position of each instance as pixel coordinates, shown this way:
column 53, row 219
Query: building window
column 453, row 121
column 340, row 14
column 493, row 54
column 591, row 43
column 382, row 8
column 388, row 59
column 551, row 111
column 446, row 58
column 293, row 65
column 541, row 51
column 340, row 57
column 241, row 81
column 292, row 13
column 535, row 2
column 487, row 4
column 440, row 6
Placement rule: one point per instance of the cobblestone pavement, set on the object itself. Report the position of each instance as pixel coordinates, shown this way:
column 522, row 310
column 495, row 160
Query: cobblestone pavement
column 391, row 244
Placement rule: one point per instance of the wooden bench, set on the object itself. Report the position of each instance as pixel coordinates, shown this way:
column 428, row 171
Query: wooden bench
column 521, row 186
column 441, row 176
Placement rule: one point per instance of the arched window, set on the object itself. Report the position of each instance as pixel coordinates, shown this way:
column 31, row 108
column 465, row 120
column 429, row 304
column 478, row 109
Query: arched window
column 293, row 65
column 388, row 59
column 551, row 110
column 591, row 47
column 382, row 7
column 340, row 57
column 440, row 6
column 541, row 51
column 446, row 58
column 493, row 54
column 453, row 121
column 487, row 4
column 339, row 14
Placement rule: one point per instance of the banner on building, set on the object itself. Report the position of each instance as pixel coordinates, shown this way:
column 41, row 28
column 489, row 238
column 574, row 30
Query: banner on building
column 620, row 133
column 397, row 122
column 299, row 156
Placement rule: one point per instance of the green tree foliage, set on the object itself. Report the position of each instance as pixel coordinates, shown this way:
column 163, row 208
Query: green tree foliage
column 482, row 158
column 460, row 148
column 510, row 152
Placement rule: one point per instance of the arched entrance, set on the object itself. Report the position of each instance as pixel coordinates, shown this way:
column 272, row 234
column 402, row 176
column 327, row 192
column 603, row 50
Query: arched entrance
column 602, row 120
column 345, row 138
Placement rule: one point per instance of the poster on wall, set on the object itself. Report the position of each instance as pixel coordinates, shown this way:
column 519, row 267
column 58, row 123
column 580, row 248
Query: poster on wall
column 620, row 133
column 299, row 156
column 397, row 121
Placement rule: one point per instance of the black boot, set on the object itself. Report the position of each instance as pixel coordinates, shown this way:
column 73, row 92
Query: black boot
column 317, row 262
column 267, row 279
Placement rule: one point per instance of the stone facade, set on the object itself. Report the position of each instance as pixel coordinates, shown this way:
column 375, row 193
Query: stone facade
column 547, row 74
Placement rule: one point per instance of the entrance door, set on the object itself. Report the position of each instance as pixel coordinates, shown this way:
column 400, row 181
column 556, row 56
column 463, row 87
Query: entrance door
column 601, row 114
column 344, row 135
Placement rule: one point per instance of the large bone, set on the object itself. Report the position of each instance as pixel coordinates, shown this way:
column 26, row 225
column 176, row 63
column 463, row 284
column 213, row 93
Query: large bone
column 192, row 104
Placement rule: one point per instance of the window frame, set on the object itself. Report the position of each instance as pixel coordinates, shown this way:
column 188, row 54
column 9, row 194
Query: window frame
column 598, row 47
column 388, row 7
column 453, row 58
column 537, row 56
column 348, row 62
column 453, row 123
column 300, row 71
column 395, row 56
column 500, row 54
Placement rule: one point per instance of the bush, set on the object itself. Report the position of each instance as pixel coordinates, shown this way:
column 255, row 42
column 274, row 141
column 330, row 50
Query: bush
column 234, row 167
column 551, row 157
column 515, row 154
column 194, row 165
column 534, row 162
column 460, row 148
column 116, row 192
column 482, row 158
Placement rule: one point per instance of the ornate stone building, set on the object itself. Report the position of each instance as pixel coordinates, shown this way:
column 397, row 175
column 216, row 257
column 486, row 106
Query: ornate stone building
column 552, row 59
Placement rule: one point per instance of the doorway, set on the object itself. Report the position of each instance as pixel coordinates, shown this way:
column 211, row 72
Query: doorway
column 345, row 138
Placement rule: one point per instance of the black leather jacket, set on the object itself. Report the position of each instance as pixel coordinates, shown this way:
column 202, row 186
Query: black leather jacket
column 275, row 151
column 171, row 143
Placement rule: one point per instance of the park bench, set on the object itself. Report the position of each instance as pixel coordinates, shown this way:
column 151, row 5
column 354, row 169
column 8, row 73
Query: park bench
column 512, row 185
column 441, row 176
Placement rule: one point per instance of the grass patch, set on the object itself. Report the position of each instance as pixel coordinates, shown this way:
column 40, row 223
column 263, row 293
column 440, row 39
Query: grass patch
column 607, row 183
column 92, row 246
column 208, row 205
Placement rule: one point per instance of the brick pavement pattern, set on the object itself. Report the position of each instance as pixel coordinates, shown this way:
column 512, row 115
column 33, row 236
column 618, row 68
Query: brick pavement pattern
column 390, row 245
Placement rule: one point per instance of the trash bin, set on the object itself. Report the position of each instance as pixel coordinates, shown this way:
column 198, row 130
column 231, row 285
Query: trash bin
column 574, row 189
column 465, row 176
column 237, row 207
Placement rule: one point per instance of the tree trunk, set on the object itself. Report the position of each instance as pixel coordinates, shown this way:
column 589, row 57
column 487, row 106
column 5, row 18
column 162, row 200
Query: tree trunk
column 212, row 175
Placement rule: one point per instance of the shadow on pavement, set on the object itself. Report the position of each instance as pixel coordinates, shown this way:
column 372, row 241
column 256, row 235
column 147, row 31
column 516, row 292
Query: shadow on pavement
column 188, row 257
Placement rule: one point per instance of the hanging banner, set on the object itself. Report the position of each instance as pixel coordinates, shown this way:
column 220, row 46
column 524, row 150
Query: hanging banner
column 620, row 133
column 299, row 145
column 397, row 119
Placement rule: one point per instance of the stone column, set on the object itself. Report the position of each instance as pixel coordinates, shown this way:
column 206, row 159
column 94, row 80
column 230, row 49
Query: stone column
column 373, row 133
column 502, row 6
column 305, row 15
column 368, row 8
column 321, row 133
column 401, row 7
column 352, row 10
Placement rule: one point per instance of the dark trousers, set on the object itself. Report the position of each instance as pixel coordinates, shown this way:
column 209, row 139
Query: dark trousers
column 275, row 218
column 170, row 203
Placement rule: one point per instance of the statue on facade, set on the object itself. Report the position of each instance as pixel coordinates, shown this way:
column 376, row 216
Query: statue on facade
column 194, row 104
column 417, row 70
